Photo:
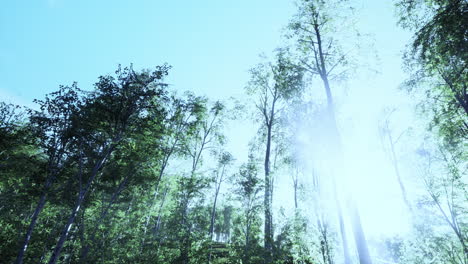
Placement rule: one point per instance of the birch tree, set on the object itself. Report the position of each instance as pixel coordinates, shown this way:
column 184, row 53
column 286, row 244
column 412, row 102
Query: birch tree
column 315, row 31
column 272, row 84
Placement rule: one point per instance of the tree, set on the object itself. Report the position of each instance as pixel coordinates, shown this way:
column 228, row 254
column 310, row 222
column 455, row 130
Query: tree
column 437, row 63
column 443, row 175
column 205, row 135
column 273, row 84
column 437, row 60
column 225, row 159
column 54, row 126
column 180, row 120
column 386, row 135
column 136, row 162
column 117, row 106
column 19, row 155
column 248, row 189
column 314, row 29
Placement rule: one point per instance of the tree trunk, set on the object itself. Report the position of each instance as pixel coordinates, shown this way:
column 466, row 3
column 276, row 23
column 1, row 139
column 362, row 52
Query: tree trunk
column 102, row 217
column 24, row 245
column 81, row 196
column 267, row 200
column 295, row 185
column 347, row 257
column 360, row 239
column 397, row 170
column 35, row 215
column 356, row 226
column 213, row 213
column 184, row 254
column 247, row 240
column 158, row 220
column 165, row 162
column 63, row 237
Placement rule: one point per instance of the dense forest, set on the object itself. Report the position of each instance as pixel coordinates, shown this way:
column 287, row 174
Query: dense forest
column 133, row 171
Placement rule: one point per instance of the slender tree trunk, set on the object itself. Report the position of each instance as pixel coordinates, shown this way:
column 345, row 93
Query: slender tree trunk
column 295, row 185
column 360, row 239
column 267, row 200
column 357, row 227
column 81, row 196
column 295, row 197
column 335, row 137
column 102, row 217
column 184, row 254
column 323, row 72
column 324, row 244
column 186, row 240
column 453, row 223
column 247, row 239
column 56, row 253
column 37, row 211
column 157, row 226
column 213, row 214
column 344, row 240
column 54, row 162
column 148, row 217
column 34, row 217
column 165, row 162
column 158, row 220
column 323, row 227
column 397, row 170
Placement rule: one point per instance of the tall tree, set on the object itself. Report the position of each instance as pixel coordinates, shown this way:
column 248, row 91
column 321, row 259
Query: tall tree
column 391, row 142
column 273, row 84
column 22, row 167
column 206, row 135
column 135, row 163
column 117, row 106
column 181, row 118
column 314, row 29
column 248, row 190
column 54, row 126
column 444, row 177
column 438, row 62
column 225, row 159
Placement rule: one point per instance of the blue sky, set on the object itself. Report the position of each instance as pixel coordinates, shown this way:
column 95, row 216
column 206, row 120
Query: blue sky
column 210, row 44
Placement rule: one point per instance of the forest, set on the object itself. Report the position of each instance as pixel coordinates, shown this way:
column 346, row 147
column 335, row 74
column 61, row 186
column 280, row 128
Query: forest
column 134, row 170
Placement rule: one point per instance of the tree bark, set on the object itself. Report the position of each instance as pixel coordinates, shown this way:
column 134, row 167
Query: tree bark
column 92, row 239
column 268, row 238
column 397, row 170
column 81, row 196
column 344, row 240
column 357, row 227
column 213, row 213
column 158, row 220
column 34, row 217
column 24, row 245
column 359, row 237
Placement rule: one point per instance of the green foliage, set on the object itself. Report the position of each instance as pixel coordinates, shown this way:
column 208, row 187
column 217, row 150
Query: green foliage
column 437, row 61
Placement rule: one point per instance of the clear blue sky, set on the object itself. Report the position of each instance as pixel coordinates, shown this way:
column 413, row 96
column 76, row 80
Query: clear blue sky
column 209, row 43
